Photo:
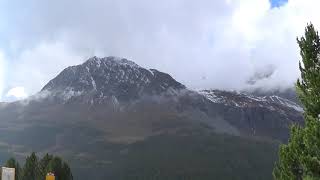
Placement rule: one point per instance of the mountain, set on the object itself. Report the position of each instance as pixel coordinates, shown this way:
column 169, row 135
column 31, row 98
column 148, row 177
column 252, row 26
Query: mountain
column 112, row 118
column 108, row 77
column 264, row 116
column 287, row 93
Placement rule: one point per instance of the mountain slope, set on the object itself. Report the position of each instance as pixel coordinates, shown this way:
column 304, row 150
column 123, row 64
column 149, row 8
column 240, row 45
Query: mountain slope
column 97, row 112
column 110, row 77
column 267, row 116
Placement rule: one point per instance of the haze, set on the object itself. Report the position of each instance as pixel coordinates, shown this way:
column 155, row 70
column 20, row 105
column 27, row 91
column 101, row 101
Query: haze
column 203, row 44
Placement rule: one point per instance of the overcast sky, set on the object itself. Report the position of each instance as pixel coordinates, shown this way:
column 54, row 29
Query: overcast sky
column 203, row 43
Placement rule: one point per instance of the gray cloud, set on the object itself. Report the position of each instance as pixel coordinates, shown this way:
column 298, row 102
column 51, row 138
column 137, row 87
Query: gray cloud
column 203, row 44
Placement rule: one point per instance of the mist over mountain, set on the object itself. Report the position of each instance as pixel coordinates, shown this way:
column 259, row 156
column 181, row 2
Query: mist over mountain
column 227, row 39
column 115, row 115
column 111, row 77
column 262, row 74
column 160, row 90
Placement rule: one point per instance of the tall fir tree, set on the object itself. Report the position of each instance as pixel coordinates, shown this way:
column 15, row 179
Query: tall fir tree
column 12, row 163
column 300, row 158
column 31, row 168
column 43, row 165
column 60, row 169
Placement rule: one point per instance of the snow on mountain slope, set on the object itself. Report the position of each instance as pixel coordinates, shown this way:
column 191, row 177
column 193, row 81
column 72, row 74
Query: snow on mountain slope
column 247, row 100
column 110, row 77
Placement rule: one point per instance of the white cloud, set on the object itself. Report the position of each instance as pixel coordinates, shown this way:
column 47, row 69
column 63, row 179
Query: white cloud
column 17, row 93
column 203, row 44
column 33, row 68
column 2, row 69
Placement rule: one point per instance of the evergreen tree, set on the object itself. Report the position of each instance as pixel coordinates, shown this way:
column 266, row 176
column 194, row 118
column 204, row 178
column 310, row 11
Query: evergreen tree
column 300, row 158
column 35, row 169
column 12, row 163
column 43, row 165
column 67, row 175
column 55, row 166
column 31, row 169
column 60, row 169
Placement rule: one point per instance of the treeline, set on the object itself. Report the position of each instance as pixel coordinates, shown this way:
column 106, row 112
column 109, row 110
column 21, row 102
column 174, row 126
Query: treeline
column 37, row 169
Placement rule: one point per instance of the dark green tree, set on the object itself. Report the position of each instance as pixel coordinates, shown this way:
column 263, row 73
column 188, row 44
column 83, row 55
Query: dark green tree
column 60, row 169
column 300, row 158
column 67, row 174
column 31, row 169
column 12, row 163
column 35, row 169
column 43, row 165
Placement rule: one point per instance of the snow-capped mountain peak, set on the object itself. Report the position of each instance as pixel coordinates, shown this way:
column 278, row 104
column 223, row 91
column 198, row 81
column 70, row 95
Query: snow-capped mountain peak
column 112, row 60
column 111, row 76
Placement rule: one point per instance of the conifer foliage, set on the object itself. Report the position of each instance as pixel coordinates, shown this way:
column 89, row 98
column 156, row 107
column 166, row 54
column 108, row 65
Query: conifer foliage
column 35, row 169
column 300, row 158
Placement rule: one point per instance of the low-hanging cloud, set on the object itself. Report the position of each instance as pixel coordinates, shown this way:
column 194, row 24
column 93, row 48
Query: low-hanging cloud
column 2, row 72
column 203, row 44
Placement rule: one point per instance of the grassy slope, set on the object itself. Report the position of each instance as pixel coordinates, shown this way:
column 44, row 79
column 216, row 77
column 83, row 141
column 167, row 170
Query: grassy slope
column 196, row 155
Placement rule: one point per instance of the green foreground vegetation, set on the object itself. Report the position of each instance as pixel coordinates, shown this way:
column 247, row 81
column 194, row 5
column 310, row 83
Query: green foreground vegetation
column 164, row 157
column 300, row 158
column 37, row 169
